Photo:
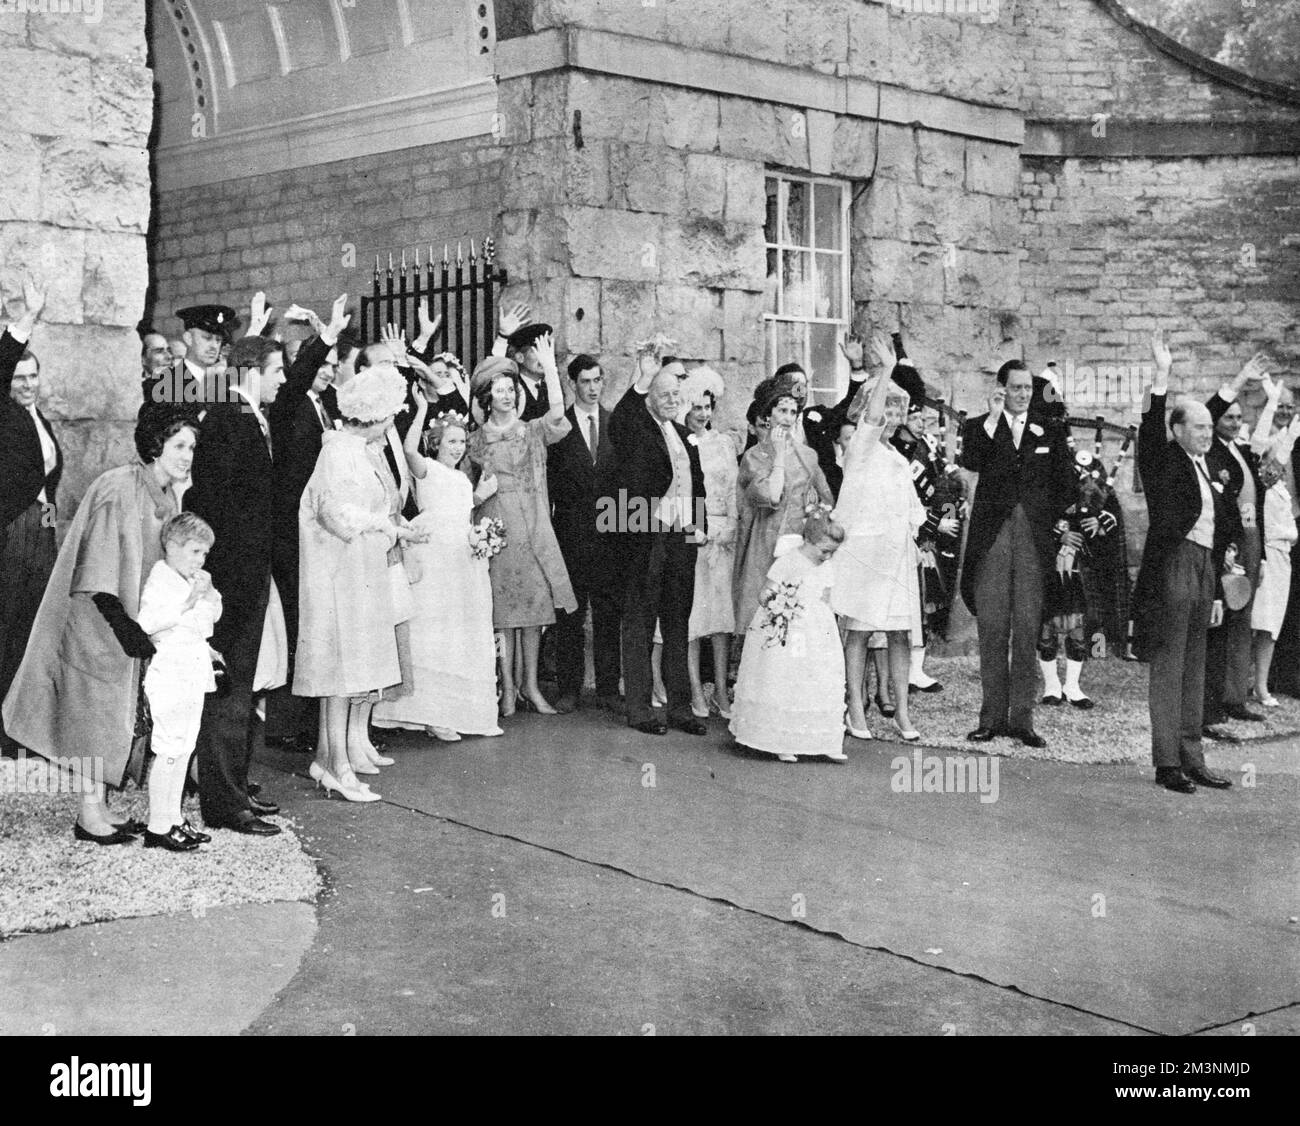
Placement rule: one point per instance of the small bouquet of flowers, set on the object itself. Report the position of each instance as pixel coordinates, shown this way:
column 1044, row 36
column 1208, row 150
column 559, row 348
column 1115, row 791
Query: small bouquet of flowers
column 781, row 607
column 487, row 538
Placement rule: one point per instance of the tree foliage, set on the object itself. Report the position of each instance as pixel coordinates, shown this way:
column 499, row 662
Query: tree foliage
column 1260, row 37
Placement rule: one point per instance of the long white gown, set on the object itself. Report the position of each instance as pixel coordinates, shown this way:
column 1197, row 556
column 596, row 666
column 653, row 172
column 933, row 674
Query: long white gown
column 453, row 649
column 877, row 582
column 789, row 699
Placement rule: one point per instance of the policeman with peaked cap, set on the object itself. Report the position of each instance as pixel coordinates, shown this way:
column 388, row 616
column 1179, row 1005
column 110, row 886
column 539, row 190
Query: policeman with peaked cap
column 521, row 347
column 207, row 329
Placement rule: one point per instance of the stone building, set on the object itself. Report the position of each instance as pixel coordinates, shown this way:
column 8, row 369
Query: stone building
column 755, row 177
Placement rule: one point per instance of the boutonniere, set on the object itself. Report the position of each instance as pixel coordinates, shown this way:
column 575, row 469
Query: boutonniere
column 1223, row 476
column 1034, row 428
column 694, row 439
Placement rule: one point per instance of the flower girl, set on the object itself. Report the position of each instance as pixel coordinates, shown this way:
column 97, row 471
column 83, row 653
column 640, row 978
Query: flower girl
column 789, row 698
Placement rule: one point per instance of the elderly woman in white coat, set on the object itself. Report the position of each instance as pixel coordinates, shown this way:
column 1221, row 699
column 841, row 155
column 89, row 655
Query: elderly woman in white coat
column 353, row 592
column 876, row 570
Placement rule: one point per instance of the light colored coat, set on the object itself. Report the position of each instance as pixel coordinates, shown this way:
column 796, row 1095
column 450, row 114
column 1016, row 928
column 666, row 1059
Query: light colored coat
column 347, row 611
column 75, row 693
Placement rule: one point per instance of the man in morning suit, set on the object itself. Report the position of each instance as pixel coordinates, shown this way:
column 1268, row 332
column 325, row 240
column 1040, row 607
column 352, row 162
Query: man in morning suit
column 31, row 464
column 303, row 409
column 1178, row 595
column 1025, row 485
column 1229, row 665
column 234, row 491
column 577, row 472
column 658, row 489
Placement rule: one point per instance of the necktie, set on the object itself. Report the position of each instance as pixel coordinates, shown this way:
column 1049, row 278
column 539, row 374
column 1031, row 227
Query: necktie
column 1017, row 429
column 593, row 436
column 320, row 413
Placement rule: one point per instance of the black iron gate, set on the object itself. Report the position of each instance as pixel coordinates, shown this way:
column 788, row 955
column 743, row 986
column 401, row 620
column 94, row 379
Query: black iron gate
column 464, row 293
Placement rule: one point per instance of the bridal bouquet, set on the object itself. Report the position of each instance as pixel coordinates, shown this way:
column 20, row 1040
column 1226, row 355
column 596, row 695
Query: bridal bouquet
column 781, row 607
column 487, row 538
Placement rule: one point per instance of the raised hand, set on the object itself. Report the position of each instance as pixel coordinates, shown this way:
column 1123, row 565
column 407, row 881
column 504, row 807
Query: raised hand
column 882, row 351
column 510, row 321
column 33, row 298
column 1160, row 352
column 417, row 396
column 339, row 317
column 997, row 400
column 852, row 349
column 428, row 325
column 392, row 336
column 259, row 313
column 1255, row 369
column 546, row 353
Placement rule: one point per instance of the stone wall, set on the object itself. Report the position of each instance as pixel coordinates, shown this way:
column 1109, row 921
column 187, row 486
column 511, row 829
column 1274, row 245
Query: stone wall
column 966, row 56
column 308, row 234
column 73, row 213
column 633, row 207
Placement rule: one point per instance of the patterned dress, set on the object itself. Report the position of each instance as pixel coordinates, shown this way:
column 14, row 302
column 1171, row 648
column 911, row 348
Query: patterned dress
column 529, row 579
column 712, row 611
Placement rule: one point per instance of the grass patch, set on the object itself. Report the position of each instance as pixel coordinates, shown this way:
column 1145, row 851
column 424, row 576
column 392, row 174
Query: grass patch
column 49, row 881
column 1117, row 730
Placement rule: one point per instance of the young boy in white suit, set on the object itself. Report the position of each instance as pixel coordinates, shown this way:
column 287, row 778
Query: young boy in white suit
column 178, row 607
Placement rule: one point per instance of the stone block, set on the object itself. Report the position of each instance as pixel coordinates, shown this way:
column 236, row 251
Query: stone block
column 821, row 141
column 762, row 131
column 63, row 107
column 707, row 253
column 684, row 119
column 760, row 33
column 706, row 185
column 93, row 185
column 604, row 243
column 897, row 153
column 533, row 174
column 814, row 34
column 123, row 104
column 992, row 168
column 582, row 316
column 115, row 279
column 868, row 40
column 91, row 446
column 646, row 178
column 746, row 192
column 587, row 173
column 20, row 157
column 853, row 150
column 691, row 315
column 103, row 30
column 627, row 314
column 54, row 256
column 742, row 326
column 513, row 122
column 940, row 159
column 89, row 371
column 615, row 109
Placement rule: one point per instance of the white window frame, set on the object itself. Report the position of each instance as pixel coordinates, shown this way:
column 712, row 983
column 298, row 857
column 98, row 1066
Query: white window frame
column 818, row 382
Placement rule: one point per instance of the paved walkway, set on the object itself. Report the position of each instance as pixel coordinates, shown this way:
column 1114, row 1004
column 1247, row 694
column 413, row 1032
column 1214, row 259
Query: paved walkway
column 538, row 883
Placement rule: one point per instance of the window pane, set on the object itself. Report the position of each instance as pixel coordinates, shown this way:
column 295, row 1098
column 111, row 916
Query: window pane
column 829, row 301
column 772, row 286
column 789, row 345
column 825, row 356
column 773, row 197
column 796, row 214
column 797, row 284
column 828, row 217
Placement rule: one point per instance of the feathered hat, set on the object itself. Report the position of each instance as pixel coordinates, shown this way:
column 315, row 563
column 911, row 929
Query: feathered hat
column 699, row 382
column 372, row 394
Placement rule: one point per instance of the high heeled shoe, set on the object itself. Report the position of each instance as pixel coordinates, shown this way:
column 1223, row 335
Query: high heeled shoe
column 531, row 705
column 910, row 735
column 364, row 767
column 347, row 786
column 887, row 710
column 856, row 732
column 117, row 836
column 445, row 734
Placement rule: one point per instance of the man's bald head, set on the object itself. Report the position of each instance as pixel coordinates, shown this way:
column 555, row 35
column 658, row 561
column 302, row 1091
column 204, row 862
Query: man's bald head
column 1193, row 428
